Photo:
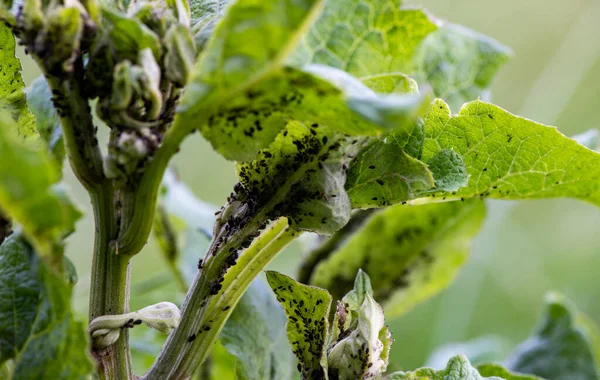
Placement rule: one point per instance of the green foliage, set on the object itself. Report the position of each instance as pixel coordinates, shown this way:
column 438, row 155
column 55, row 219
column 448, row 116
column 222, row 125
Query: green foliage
column 301, row 176
column 358, row 344
column 323, row 115
column 307, row 311
column 458, row 368
column 365, row 37
column 30, row 195
column 12, row 97
column 564, row 345
column 509, row 157
column 383, row 174
column 46, row 120
column 426, row 244
column 245, row 95
column 501, row 372
column 459, row 64
column 38, row 325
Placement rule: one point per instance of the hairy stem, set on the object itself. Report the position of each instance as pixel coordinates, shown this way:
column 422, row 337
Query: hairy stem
column 139, row 206
column 250, row 264
column 78, row 129
column 109, row 291
column 204, row 316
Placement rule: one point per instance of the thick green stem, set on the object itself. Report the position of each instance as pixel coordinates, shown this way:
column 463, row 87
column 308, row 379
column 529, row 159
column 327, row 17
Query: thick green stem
column 190, row 343
column 249, row 266
column 109, row 291
column 139, row 206
column 78, row 130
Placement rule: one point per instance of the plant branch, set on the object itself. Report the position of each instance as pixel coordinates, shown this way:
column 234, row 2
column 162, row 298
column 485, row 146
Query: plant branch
column 78, row 129
column 140, row 204
column 109, row 289
column 250, row 264
column 182, row 352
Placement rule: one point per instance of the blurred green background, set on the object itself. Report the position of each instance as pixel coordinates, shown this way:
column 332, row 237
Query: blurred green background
column 524, row 249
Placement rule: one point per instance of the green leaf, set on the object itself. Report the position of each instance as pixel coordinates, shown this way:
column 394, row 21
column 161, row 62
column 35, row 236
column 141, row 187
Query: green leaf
column 30, row 195
column 19, row 282
column 255, row 334
column 204, row 10
column 383, row 174
column 37, row 324
column 365, row 37
column 243, row 96
column 501, row 372
column 509, row 157
column 129, row 36
column 427, row 245
column 563, row 346
column 307, row 310
column 205, row 17
column 242, row 123
column 458, row 63
column 410, row 139
column 13, row 103
column 39, row 100
column 301, row 176
column 449, row 170
column 229, row 63
column 458, row 368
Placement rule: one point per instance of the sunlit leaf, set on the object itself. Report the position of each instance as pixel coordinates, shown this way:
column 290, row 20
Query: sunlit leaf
column 242, row 97
column 458, row 368
column 307, row 310
column 503, row 373
column 383, row 174
column 510, row 157
column 365, row 37
column 411, row 253
column 301, row 176
column 13, row 104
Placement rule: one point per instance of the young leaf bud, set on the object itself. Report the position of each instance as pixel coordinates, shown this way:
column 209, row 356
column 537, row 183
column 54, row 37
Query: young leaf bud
column 360, row 342
column 149, row 83
column 181, row 54
column 122, row 91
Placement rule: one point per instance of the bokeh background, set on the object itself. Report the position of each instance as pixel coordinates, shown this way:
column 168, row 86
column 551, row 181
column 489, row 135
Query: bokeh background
column 524, row 249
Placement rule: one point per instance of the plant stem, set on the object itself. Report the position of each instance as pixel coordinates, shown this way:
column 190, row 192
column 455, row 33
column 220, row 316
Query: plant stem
column 109, row 291
column 78, row 131
column 140, row 205
column 181, row 354
column 250, row 264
